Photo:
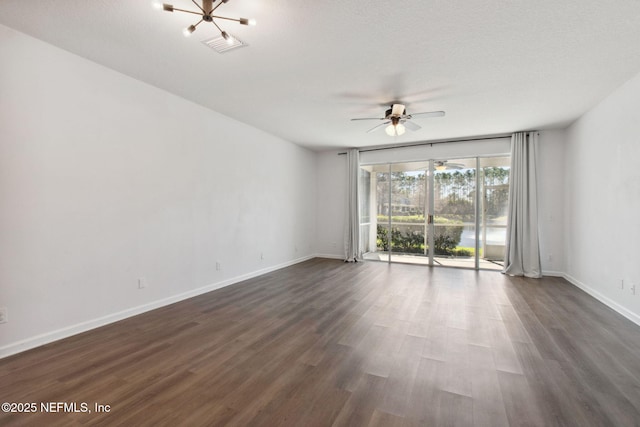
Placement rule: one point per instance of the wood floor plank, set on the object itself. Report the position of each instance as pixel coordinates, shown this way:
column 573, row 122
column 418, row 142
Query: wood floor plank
column 360, row 407
column 520, row 401
column 401, row 378
column 326, row 343
column 424, row 401
column 488, row 405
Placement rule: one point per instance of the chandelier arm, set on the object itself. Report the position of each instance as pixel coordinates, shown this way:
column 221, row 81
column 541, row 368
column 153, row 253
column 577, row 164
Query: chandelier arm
column 199, row 22
column 199, row 7
column 214, row 9
column 219, row 29
column 222, row 17
column 188, row 11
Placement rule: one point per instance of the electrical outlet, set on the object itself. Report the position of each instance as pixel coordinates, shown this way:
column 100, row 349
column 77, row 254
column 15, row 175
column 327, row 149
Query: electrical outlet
column 550, row 257
column 218, row 266
column 142, row 283
column 4, row 315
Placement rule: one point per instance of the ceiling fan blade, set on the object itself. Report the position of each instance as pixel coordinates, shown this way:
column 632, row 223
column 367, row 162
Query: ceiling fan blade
column 380, row 126
column 369, row 118
column 428, row 114
column 411, row 126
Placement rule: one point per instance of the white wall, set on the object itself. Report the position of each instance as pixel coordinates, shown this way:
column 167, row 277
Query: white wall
column 551, row 166
column 104, row 179
column 602, row 203
column 332, row 199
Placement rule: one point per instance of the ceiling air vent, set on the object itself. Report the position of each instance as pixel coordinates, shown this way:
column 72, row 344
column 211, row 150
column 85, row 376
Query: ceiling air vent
column 221, row 45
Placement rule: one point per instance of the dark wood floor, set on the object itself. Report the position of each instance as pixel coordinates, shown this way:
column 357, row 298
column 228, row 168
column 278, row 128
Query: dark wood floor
column 326, row 343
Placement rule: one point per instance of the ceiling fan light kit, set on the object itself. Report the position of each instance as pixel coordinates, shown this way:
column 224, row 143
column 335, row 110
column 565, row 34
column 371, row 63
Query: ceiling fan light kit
column 395, row 128
column 397, row 120
column 206, row 13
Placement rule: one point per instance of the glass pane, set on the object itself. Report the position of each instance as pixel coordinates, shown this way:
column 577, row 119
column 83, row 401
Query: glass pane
column 408, row 208
column 454, row 212
column 366, row 244
column 495, row 199
column 374, row 219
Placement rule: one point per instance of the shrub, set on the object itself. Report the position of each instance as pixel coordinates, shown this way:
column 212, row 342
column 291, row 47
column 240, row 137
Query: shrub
column 446, row 237
column 444, row 244
column 467, row 252
column 382, row 240
column 410, row 238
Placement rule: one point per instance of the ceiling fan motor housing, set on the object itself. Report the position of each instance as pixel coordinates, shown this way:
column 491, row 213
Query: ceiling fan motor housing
column 396, row 110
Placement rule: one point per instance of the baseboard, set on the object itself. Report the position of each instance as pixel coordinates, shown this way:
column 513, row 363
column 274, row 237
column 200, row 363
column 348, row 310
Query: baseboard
column 553, row 273
column 330, row 256
column 49, row 337
column 603, row 299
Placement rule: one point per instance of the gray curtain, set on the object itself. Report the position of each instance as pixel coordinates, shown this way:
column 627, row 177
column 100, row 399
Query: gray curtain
column 522, row 252
column 352, row 223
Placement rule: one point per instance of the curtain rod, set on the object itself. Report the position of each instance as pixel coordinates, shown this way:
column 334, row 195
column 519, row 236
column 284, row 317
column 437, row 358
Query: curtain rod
column 418, row 144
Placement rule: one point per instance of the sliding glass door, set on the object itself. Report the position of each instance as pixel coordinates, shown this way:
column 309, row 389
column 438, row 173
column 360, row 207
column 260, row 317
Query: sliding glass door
column 449, row 212
column 409, row 239
column 454, row 212
column 494, row 197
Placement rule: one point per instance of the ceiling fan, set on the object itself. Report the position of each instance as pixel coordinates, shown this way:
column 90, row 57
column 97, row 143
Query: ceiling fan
column 397, row 119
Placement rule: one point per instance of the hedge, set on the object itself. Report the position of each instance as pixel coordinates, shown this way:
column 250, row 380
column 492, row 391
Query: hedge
column 409, row 238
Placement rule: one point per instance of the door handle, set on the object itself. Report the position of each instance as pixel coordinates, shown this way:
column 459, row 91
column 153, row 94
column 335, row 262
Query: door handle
column 430, row 219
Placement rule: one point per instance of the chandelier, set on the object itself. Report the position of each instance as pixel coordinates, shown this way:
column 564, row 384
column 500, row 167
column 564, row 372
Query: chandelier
column 206, row 14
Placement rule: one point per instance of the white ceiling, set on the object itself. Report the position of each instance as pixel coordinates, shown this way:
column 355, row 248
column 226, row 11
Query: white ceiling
column 494, row 66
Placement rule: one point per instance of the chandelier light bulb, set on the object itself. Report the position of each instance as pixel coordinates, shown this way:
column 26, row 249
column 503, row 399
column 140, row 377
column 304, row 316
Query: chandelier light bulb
column 189, row 30
column 227, row 37
column 157, row 5
column 400, row 129
column 245, row 21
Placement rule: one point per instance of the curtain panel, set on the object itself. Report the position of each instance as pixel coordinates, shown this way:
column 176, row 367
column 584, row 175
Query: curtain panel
column 522, row 250
column 352, row 223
